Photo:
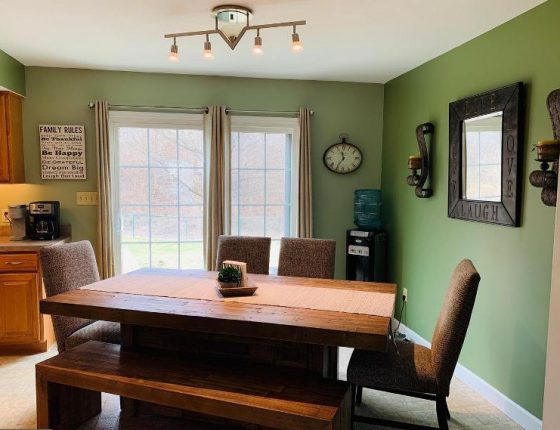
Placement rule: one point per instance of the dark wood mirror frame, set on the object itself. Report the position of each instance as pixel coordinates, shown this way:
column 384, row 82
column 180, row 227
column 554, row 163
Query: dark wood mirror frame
column 509, row 100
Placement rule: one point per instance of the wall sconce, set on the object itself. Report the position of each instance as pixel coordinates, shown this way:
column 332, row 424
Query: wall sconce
column 421, row 162
column 548, row 152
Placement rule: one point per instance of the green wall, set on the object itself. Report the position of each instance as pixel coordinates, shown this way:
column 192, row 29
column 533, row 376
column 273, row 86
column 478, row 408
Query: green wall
column 59, row 96
column 12, row 74
column 506, row 343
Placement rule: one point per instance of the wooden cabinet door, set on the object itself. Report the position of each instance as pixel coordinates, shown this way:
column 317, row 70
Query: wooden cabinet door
column 19, row 308
column 4, row 150
column 12, row 168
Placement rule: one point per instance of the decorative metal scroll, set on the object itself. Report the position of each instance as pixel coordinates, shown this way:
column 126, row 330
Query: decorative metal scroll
column 414, row 179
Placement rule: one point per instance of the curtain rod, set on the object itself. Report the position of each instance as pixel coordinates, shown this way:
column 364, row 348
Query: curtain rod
column 264, row 112
column 163, row 108
column 199, row 109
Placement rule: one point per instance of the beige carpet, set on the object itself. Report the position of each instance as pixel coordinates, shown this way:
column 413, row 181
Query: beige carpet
column 468, row 409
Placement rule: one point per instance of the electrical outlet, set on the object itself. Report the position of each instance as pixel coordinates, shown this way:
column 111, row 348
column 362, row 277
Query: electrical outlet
column 86, row 198
column 4, row 216
column 405, row 294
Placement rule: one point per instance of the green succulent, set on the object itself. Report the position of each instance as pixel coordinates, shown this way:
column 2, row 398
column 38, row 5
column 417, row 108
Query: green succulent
column 229, row 275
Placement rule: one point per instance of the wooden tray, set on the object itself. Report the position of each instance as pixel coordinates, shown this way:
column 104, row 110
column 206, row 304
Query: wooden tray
column 235, row 292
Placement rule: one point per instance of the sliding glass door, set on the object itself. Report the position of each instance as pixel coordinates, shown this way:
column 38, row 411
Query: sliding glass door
column 158, row 189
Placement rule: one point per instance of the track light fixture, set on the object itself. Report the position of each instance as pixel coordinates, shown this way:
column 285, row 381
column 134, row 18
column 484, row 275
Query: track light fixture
column 296, row 43
column 207, row 53
column 257, row 47
column 174, row 53
column 231, row 23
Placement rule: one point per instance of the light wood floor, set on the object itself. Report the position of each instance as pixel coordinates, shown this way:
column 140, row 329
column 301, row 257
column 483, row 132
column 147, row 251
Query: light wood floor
column 468, row 409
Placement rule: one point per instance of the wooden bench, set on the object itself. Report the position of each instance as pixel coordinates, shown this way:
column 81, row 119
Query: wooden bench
column 69, row 388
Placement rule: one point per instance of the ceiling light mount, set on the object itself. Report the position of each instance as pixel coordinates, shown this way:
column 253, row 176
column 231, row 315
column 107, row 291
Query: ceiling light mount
column 232, row 22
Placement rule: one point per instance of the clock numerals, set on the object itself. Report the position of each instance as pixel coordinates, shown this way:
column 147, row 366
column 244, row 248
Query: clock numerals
column 342, row 158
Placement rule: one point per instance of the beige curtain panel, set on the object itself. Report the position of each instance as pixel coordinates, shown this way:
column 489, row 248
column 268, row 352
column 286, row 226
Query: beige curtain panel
column 305, row 204
column 215, row 211
column 106, row 260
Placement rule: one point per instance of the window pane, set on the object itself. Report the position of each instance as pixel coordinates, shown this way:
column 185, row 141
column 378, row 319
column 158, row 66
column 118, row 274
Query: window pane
column 276, row 221
column 191, row 223
column 191, row 186
column 275, row 150
column 135, row 223
column 235, row 187
column 192, row 255
column 276, row 187
column 134, row 256
column 163, row 147
column 234, row 150
column 133, row 186
column 164, row 223
column 274, row 255
column 133, row 146
column 251, row 187
column 234, row 220
column 163, row 186
column 251, row 150
column 165, row 255
column 251, row 220
column 191, row 149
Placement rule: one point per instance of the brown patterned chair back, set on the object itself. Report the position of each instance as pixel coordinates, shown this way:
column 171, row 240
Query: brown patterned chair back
column 255, row 251
column 67, row 267
column 453, row 322
column 308, row 258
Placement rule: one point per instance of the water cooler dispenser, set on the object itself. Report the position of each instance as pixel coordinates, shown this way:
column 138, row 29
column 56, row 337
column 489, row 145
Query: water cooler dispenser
column 366, row 245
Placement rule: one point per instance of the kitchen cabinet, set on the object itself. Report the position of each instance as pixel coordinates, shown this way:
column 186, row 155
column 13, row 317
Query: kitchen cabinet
column 12, row 169
column 19, row 314
column 22, row 327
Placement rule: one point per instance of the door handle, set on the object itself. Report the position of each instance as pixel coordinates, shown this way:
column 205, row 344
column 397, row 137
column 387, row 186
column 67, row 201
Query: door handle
column 14, row 263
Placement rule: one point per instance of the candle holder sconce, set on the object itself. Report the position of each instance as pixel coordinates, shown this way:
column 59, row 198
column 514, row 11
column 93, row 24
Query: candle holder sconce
column 547, row 154
column 421, row 162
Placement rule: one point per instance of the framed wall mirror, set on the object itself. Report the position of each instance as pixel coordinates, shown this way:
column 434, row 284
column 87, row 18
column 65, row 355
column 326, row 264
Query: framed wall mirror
column 485, row 153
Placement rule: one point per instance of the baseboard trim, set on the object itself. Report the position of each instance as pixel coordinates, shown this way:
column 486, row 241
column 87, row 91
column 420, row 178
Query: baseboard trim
column 517, row 413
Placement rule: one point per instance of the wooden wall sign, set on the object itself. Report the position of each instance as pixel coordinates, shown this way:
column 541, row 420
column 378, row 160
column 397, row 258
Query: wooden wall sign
column 63, row 152
column 505, row 103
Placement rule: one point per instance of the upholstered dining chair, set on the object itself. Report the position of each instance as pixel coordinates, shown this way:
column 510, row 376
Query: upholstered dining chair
column 255, row 251
column 414, row 370
column 307, row 258
column 67, row 267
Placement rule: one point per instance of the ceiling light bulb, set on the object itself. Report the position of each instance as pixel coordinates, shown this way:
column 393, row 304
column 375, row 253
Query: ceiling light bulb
column 174, row 53
column 257, row 48
column 207, row 53
column 296, row 43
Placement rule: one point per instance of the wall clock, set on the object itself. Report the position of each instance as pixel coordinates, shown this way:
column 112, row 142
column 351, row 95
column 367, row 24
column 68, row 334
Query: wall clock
column 342, row 157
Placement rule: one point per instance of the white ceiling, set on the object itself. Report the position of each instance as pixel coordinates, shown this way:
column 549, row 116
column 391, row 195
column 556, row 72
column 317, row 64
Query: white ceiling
column 345, row 40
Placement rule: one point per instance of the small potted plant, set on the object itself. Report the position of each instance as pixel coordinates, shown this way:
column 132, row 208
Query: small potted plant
column 229, row 277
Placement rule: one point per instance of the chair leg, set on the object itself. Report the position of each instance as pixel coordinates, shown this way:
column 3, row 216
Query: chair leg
column 446, row 409
column 353, row 402
column 359, row 390
column 441, row 409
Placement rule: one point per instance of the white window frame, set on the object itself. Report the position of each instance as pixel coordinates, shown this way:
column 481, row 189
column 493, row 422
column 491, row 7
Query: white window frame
column 260, row 124
column 119, row 119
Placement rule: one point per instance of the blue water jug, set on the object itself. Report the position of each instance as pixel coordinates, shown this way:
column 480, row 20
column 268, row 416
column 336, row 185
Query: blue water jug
column 367, row 209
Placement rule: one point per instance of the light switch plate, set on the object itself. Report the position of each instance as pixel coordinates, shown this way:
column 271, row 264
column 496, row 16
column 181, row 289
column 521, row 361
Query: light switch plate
column 87, row 198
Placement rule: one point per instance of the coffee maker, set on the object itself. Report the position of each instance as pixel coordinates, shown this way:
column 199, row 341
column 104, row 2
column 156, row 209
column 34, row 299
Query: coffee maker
column 43, row 220
column 17, row 216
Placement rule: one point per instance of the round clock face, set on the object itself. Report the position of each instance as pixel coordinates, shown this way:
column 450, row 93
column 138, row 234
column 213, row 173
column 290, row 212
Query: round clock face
column 342, row 157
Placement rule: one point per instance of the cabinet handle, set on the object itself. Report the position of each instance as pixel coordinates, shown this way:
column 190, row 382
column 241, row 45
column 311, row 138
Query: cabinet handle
column 14, row 263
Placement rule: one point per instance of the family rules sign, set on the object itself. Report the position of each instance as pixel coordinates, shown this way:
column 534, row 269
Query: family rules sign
column 63, row 151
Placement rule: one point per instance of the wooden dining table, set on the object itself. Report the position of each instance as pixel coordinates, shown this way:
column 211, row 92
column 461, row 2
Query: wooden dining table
column 183, row 312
